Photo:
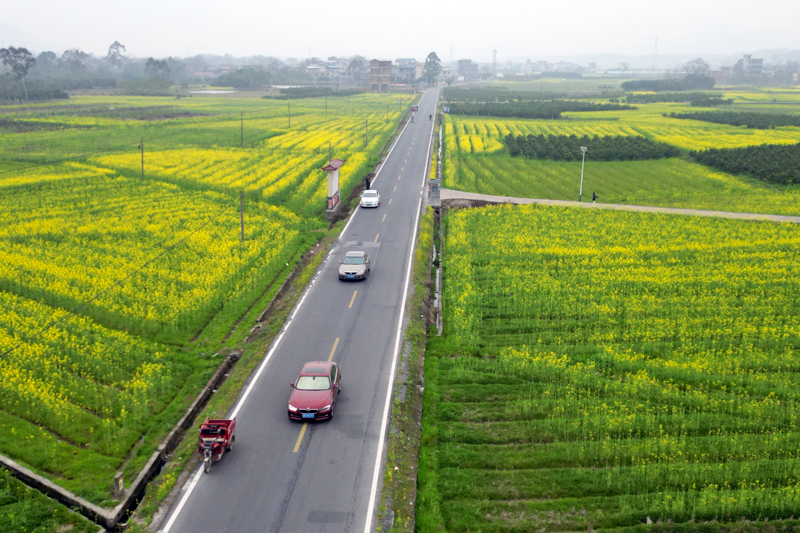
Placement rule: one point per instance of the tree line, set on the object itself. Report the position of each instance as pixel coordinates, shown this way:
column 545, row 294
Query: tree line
column 502, row 94
column 666, row 97
column 759, row 121
column 711, row 101
column 48, row 75
column 290, row 93
column 568, row 148
column 551, row 109
column 688, row 83
column 773, row 163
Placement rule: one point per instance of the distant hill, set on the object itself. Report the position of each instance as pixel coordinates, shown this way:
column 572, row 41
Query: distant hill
column 11, row 35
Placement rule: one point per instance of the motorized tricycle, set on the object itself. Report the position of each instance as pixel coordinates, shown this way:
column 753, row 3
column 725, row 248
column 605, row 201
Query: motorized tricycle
column 216, row 437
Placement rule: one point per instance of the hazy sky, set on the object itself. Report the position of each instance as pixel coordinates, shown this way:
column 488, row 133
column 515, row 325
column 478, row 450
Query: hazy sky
column 299, row 28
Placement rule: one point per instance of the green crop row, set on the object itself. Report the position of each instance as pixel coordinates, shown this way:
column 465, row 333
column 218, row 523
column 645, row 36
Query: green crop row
column 603, row 370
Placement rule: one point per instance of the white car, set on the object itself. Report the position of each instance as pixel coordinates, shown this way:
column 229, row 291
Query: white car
column 370, row 198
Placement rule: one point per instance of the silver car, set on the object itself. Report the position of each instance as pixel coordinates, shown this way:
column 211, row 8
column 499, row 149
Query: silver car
column 370, row 198
column 355, row 265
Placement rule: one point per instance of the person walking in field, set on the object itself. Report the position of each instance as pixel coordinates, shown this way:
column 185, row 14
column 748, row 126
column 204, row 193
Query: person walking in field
column 594, row 197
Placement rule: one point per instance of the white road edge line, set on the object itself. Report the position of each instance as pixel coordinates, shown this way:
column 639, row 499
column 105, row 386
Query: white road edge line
column 275, row 344
column 382, row 435
column 384, row 422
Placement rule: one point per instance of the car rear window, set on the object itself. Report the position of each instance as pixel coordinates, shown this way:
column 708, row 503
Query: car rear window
column 313, row 383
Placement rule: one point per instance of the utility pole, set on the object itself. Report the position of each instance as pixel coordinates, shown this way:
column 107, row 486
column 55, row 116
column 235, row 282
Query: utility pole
column 583, row 160
column 241, row 130
column 241, row 213
column 141, row 145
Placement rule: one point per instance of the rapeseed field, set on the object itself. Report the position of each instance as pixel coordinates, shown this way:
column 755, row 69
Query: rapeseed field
column 602, row 369
column 108, row 279
column 475, row 159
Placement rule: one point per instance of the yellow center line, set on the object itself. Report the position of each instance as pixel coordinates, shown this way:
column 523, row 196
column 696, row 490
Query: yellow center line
column 353, row 299
column 335, row 344
column 384, row 217
column 395, row 187
column 402, row 169
column 378, row 235
column 390, row 201
column 300, row 437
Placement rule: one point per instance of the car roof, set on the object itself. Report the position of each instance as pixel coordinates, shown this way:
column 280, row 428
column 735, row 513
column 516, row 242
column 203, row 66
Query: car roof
column 317, row 368
column 355, row 254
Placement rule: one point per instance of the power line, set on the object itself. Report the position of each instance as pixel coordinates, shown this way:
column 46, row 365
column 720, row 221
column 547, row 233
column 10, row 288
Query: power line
column 228, row 118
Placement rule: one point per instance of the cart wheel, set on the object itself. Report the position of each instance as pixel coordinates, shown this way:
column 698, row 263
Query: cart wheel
column 230, row 444
column 207, row 464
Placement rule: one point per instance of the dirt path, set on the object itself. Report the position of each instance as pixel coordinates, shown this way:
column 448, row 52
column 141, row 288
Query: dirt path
column 455, row 198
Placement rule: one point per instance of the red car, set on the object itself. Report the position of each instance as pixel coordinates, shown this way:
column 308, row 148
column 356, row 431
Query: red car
column 315, row 391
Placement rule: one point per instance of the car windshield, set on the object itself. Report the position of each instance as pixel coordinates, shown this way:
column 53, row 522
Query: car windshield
column 370, row 194
column 313, row 383
column 353, row 261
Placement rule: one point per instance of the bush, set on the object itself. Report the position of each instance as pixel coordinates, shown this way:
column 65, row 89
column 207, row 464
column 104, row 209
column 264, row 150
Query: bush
column 568, row 148
column 312, row 92
column 552, row 109
column 711, row 102
column 666, row 97
column 759, row 121
column 670, row 84
column 774, row 163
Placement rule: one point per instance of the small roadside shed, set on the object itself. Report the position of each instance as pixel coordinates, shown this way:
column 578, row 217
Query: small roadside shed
column 332, row 168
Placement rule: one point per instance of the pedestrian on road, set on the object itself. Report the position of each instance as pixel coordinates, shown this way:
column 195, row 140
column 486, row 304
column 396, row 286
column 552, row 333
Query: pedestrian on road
column 367, row 179
column 430, row 117
column 594, row 196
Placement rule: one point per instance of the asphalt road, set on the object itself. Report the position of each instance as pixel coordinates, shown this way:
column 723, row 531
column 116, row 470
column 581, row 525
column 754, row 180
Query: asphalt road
column 285, row 476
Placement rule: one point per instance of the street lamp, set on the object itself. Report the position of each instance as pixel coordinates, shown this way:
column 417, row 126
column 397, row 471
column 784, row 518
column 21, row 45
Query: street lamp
column 583, row 161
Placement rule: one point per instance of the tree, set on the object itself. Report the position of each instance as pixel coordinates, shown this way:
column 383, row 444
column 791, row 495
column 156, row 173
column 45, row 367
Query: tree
column 356, row 67
column 19, row 60
column 697, row 68
column 46, row 58
column 75, row 59
column 157, row 70
column 432, row 68
column 116, row 54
